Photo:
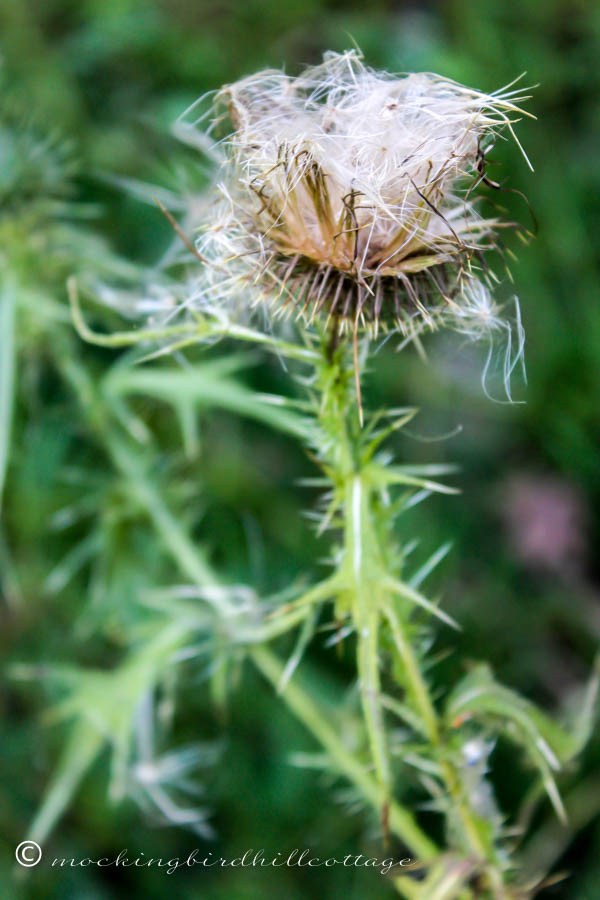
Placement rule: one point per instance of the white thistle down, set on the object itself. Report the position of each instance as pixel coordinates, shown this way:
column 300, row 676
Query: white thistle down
column 347, row 192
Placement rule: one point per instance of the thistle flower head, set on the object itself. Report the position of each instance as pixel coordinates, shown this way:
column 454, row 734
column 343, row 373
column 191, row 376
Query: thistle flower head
column 347, row 192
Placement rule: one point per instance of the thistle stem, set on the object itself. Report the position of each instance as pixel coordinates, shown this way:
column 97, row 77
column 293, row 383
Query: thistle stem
column 402, row 823
column 365, row 567
column 426, row 708
column 367, row 622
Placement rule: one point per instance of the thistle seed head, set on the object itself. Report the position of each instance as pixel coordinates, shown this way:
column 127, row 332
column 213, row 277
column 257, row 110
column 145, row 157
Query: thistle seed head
column 347, row 193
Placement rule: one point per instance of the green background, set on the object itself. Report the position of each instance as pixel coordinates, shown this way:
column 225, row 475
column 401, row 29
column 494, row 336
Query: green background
column 110, row 77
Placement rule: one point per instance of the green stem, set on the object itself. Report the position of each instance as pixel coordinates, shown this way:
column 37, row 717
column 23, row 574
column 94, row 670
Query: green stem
column 402, row 823
column 366, row 619
column 414, row 676
column 190, row 332
column 365, row 567
column 424, row 703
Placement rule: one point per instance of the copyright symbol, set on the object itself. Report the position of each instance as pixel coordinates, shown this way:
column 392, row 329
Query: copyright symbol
column 28, row 853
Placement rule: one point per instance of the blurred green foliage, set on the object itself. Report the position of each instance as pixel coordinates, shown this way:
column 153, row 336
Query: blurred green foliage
column 99, row 84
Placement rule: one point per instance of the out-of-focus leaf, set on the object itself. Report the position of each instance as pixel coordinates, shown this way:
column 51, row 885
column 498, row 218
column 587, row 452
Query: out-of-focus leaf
column 103, row 706
column 205, row 386
column 80, row 751
column 547, row 744
column 7, row 367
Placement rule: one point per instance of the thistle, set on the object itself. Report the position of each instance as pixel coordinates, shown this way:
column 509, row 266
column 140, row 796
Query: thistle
column 348, row 192
column 346, row 196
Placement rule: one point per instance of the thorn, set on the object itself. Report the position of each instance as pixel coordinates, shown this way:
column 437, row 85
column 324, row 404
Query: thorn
column 357, row 374
column 175, row 226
